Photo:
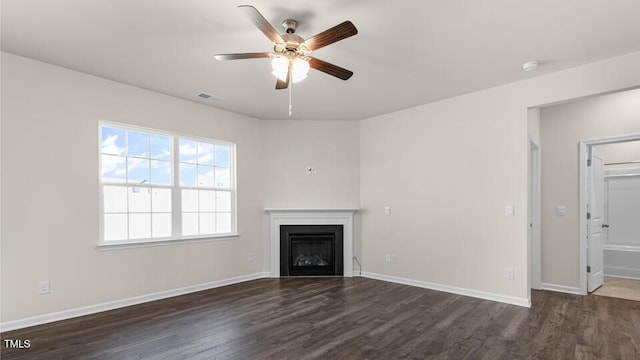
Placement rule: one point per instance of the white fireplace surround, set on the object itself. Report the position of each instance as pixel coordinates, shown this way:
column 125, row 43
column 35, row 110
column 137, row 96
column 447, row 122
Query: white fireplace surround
column 342, row 217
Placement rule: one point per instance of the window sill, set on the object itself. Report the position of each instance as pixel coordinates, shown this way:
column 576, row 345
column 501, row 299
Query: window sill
column 119, row 245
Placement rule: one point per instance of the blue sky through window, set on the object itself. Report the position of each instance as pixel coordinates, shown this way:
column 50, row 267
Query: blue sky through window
column 126, row 155
column 138, row 144
column 222, row 156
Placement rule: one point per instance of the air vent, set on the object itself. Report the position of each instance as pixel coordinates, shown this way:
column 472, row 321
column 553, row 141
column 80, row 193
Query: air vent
column 206, row 96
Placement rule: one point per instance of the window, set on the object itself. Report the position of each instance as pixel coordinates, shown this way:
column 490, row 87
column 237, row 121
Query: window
column 157, row 186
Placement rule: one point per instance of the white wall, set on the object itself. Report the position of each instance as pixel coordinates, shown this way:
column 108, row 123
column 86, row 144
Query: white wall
column 331, row 147
column 562, row 128
column 50, row 192
column 533, row 124
column 448, row 169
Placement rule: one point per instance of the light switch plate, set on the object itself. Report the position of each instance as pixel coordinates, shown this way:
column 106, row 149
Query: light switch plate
column 561, row 210
column 510, row 210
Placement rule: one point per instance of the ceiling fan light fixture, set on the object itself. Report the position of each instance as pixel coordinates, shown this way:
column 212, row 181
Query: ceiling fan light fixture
column 280, row 66
column 299, row 68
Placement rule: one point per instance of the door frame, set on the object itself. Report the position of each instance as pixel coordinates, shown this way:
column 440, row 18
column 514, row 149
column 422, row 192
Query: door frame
column 535, row 227
column 583, row 155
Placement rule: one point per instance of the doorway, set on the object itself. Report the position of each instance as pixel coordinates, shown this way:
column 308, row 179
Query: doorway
column 593, row 222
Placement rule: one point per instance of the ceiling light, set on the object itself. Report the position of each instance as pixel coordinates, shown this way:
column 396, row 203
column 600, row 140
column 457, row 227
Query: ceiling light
column 530, row 65
column 299, row 68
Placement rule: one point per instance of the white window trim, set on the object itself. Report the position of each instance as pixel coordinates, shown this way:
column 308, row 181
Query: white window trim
column 176, row 199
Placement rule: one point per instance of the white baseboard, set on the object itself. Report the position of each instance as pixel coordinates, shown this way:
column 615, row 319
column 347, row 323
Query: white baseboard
column 451, row 289
column 561, row 288
column 92, row 309
column 622, row 271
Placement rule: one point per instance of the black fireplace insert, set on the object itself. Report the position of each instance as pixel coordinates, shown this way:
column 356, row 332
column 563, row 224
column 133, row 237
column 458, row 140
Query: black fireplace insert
column 311, row 250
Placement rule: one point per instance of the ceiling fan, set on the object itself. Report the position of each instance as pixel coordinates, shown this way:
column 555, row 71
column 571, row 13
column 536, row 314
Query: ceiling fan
column 290, row 56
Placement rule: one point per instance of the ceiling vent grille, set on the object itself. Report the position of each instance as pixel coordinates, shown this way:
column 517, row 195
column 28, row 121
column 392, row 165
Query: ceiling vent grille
column 206, row 96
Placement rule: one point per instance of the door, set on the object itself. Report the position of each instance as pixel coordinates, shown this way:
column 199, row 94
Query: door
column 595, row 223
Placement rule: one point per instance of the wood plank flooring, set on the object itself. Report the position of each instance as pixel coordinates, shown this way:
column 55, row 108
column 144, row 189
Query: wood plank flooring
column 342, row 318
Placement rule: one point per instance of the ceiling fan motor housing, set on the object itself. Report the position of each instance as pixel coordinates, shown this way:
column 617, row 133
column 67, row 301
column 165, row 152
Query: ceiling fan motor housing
column 290, row 26
column 292, row 43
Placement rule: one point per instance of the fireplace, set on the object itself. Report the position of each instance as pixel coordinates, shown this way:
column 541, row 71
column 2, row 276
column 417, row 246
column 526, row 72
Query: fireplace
column 311, row 250
column 287, row 216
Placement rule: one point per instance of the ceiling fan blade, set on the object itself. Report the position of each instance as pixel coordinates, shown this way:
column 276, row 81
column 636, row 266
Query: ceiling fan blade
column 261, row 23
column 329, row 36
column 221, row 57
column 330, row 69
column 280, row 85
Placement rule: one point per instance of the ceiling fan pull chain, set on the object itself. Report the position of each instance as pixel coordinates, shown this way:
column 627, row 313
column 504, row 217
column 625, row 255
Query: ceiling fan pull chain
column 290, row 90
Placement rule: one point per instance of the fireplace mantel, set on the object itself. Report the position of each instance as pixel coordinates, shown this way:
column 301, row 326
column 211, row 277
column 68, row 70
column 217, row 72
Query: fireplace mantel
column 292, row 216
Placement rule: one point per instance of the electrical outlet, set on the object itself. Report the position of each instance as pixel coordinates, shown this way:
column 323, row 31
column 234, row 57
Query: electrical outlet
column 387, row 258
column 390, row 258
column 252, row 257
column 43, row 287
column 509, row 274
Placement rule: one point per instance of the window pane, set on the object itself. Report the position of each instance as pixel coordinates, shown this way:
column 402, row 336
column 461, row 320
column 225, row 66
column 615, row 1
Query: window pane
column 160, row 172
column 114, row 199
column 113, row 168
column 205, row 154
column 161, row 225
column 115, row 227
column 160, row 147
column 188, row 151
column 189, row 200
column 207, row 223
column 138, row 144
column 205, row 176
column 139, row 199
column 139, row 226
column 222, row 178
column 222, row 156
column 188, row 175
column 223, row 222
column 223, row 201
column 160, row 200
column 143, row 207
column 138, row 171
column 112, row 141
column 189, row 224
column 207, row 200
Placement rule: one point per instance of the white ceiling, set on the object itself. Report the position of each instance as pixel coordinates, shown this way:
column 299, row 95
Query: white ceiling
column 406, row 53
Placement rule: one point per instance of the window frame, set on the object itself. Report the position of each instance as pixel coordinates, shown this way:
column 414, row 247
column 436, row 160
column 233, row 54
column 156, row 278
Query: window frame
column 175, row 187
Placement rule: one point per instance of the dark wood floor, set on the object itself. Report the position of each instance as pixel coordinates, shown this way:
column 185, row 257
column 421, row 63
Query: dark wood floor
column 342, row 318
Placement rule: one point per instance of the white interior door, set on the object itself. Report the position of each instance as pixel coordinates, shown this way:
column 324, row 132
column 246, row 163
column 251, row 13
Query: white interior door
column 595, row 206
